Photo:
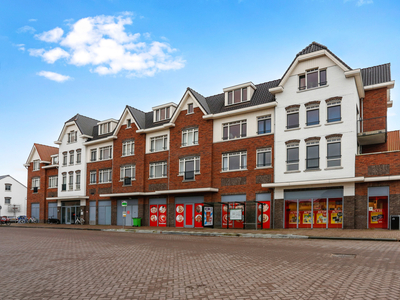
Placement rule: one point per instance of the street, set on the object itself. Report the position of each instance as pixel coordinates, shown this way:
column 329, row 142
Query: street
column 79, row 264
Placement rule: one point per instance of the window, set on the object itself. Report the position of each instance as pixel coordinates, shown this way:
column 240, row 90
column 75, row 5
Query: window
column 8, row 187
column 77, row 180
column 190, row 137
column 65, row 158
column 234, row 161
column 105, row 128
column 105, row 153
column 292, row 159
column 93, row 177
column 127, row 174
column 158, row 170
column 312, row 115
column 54, row 160
column 334, row 153
column 53, row 182
column 190, row 108
column 293, row 118
column 237, row 96
column 72, row 136
column 105, row 176
column 234, row 130
column 7, row 200
column 36, row 183
column 189, row 166
column 158, row 143
column 334, row 111
column 264, row 124
column 93, row 155
column 264, row 157
column 71, row 157
column 128, row 148
column 162, row 114
column 71, row 181
column 312, row 161
column 128, row 123
column 313, row 78
column 78, row 156
column 64, row 182
column 36, row 165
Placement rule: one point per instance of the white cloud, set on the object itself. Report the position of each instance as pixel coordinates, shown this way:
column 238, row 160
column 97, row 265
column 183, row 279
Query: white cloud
column 51, row 36
column 54, row 76
column 32, row 20
column 20, row 46
column 362, row 2
column 26, row 28
column 104, row 43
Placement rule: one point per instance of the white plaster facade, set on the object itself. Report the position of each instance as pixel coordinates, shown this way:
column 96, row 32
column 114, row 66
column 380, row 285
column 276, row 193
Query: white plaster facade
column 15, row 193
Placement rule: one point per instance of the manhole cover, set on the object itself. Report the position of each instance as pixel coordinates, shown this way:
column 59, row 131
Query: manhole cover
column 343, row 255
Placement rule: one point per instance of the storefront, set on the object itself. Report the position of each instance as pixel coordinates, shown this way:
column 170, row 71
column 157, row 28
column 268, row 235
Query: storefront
column 158, row 212
column 314, row 208
column 263, row 210
column 70, row 210
column 378, row 207
column 131, row 210
column 188, row 211
column 232, row 202
column 104, row 212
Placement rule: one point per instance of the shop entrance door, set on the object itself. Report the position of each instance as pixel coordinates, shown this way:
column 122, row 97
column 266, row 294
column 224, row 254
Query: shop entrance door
column 189, row 215
column 378, row 212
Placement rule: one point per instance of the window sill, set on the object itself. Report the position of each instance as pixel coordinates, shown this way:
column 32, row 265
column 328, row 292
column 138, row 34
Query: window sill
column 93, row 183
column 293, row 129
column 314, row 88
column 192, row 180
column 267, row 133
column 191, row 113
column 333, row 123
column 312, row 170
column 189, row 146
column 78, row 163
column 105, row 182
column 238, row 170
column 333, row 168
column 290, row 172
column 265, row 167
column 35, row 170
column 52, row 187
column 312, row 126
column 158, row 178
column 128, row 127
column 150, row 152
column 128, row 155
column 105, row 159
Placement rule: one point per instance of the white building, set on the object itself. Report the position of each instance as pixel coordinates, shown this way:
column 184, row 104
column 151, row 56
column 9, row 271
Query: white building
column 12, row 197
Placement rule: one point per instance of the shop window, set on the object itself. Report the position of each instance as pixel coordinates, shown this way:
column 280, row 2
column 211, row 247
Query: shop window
column 234, row 130
column 264, row 157
column 264, row 124
column 234, row 161
column 292, row 159
column 335, row 213
column 378, row 212
column 334, row 156
column 334, row 111
column 312, row 160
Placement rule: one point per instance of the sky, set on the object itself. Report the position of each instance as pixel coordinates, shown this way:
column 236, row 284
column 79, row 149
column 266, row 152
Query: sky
column 94, row 57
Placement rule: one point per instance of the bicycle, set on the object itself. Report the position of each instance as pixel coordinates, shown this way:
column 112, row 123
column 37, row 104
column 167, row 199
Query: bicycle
column 22, row 219
column 5, row 220
column 80, row 221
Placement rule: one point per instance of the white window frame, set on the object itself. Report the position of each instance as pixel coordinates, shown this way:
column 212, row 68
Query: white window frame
column 312, row 107
column 71, row 157
column 226, row 158
column 72, row 137
column 123, row 172
column 167, row 113
column 128, row 148
column 153, row 166
column 65, row 158
column 182, row 165
column 36, row 165
column 54, row 160
column 292, row 111
column 104, row 128
column 264, row 118
column 312, row 144
column 328, row 159
column 232, row 100
column 333, row 103
column 93, row 154
column 190, row 108
column 228, row 126
column 53, row 182
column 71, row 181
column 7, row 187
column 267, row 150
column 7, row 200
column 292, row 146
column 319, row 83
column 36, row 182
column 153, row 141
column 77, row 180
column 93, row 175
column 78, row 156
column 185, row 137
column 102, row 150
column 102, row 174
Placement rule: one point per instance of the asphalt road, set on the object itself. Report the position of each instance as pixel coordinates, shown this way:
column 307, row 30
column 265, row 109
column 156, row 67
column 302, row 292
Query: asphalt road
column 70, row 264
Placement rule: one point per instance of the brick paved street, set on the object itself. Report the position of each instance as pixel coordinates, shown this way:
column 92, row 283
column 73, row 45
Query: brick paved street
column 62, row 264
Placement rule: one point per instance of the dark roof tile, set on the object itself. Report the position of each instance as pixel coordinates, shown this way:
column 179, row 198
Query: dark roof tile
column 376, row 74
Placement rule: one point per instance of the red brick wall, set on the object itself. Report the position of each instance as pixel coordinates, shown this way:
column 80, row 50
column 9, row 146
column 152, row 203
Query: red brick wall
column 380, row 164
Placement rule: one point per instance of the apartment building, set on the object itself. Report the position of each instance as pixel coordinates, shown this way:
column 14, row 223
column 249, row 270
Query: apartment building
column 12, row 197
column 309, row 150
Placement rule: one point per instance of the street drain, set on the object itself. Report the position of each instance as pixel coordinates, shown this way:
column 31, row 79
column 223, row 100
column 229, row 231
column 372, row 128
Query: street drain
column 343, row 255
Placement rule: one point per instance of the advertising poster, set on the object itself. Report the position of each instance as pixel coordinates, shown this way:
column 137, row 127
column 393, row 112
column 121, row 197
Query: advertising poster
column 179, row 215
column 264, row 214
column 153, row 215
column 320, row 217
column 208, row 216
column 162, row 215
column 293, row 217
column 225, row 215
column 377, row 216
column 198, row 215
column 238, row 223
column 307, row 219
column 336, row 217
column 236, row 214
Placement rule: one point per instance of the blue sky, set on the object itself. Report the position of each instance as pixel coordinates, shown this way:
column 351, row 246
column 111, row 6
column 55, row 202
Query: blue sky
column 59, row 58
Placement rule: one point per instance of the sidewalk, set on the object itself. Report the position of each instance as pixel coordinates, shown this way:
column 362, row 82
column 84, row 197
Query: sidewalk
column 341, row 234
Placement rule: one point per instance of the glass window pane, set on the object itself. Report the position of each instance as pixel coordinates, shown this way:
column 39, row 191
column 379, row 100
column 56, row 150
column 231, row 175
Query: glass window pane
column 293, row 120
column 333, row 150
column 261, row 126
column 267, row 158
column 159, row 144
column 244, row 129
column 225, row 163
column 322, row 77
column 268, row 126
column 225, row 133
column 334, row 163
column 197, row 168
column 293, row 154
column 244, row 94
column 312, row 80
column 234, row 131
column 260, row 159
column 158, row 171
column 162, row 114
column 244, row 161
column 190, row 138
column 237, row 96
column 302, row 82
column 229, row 97
column 196, row 137
column 313, row 117
column 234, row 162
column 312, row 151
column 334, row 113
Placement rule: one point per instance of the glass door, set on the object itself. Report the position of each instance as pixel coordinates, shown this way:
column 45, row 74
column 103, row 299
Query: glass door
column 68, row 215
column 378, row 212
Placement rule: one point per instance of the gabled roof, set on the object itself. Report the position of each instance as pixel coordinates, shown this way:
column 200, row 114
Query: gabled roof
column 140, row 116
column 376, row 74
column 4, row 176
column 85, row 124
column 95, row 134
column 149, row 121
column 45, row 152
column 200, row 98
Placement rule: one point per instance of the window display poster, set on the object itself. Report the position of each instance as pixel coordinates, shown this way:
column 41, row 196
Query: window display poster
column 320, row 216
column 179, row 215
column 208, row 216
column 162, row 215
column 264, row 214
column 225, row 215
column 307, row 219
column 377, row 216
column 153, row 215
column 236, row 214
column 293, row 217
column 198, row 215
column 336, row 217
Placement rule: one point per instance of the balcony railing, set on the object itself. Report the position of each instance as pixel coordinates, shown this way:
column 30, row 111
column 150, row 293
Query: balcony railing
column 372, row 131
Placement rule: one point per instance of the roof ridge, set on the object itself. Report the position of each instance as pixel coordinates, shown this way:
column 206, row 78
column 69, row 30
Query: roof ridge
column 376, row 66
column 84, row 117
column 136, row 108
column 189, row 88
column 45, row 145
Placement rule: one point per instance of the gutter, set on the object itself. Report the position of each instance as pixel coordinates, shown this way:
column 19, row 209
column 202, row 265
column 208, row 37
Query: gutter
column 240, row 111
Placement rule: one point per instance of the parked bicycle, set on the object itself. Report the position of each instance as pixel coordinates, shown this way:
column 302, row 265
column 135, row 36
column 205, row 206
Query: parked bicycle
column 22, row 219
column 33, row 220
column 5, row 220
column 80, row 221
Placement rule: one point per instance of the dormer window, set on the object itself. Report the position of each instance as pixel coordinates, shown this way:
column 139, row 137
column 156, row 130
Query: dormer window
column 162, row 114
column 237, row 96
column 239, row 93
column 72, row 136
column 54, row 160
column 312, row 79
column 104, row 128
